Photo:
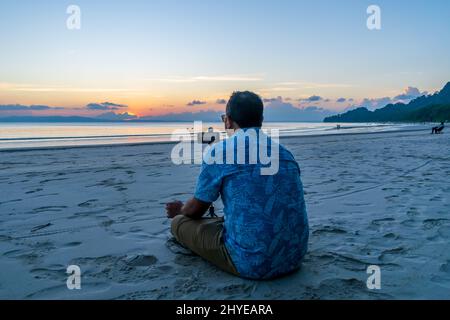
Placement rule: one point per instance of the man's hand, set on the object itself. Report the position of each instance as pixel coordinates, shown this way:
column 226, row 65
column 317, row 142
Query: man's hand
column 173, row 209
column 193, row 208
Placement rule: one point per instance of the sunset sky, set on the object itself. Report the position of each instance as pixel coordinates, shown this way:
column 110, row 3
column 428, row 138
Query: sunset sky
column 155, row 57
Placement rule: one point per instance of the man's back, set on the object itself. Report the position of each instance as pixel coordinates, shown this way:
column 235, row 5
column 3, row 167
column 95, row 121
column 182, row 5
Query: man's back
column 266, row 227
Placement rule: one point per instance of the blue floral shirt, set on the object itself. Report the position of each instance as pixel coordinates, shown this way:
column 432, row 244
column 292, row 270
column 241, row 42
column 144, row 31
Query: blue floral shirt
column 266, row 225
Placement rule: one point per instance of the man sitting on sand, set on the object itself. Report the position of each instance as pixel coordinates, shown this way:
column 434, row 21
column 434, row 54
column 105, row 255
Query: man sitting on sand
column 264, row 231
column 438, row 129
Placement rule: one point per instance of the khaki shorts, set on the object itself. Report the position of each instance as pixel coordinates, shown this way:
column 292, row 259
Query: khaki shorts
column 204, row 237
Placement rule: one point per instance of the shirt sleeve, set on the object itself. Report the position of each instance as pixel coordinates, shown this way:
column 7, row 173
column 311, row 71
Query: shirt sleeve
column 209, row 183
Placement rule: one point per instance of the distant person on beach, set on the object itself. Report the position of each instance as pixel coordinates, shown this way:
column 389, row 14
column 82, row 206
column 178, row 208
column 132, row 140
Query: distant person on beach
column 438, row 129
column 264, row 231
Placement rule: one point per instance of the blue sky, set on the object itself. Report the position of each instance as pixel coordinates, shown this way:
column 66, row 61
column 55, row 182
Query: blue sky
column 157, row 56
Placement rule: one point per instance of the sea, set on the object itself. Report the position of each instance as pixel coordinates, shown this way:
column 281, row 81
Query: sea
column 47, row 135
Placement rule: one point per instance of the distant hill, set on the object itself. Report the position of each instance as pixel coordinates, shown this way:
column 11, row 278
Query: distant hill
column 429, row 108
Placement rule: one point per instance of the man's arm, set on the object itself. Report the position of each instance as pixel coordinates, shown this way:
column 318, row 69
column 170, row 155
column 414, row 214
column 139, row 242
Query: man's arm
column 193, row 208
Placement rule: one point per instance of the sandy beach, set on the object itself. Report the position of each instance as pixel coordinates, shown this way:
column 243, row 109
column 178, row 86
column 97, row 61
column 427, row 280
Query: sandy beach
column 373, row 199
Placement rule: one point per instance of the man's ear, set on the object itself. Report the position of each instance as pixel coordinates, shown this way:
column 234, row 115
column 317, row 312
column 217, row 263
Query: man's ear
column 228, row 123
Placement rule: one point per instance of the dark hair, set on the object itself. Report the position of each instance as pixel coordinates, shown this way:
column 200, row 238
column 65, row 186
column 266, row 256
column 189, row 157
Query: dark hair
column 246, row 109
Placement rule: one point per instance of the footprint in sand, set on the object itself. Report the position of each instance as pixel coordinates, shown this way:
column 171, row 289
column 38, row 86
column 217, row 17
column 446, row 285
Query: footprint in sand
column 237, row 289
column 412, row 212
column 444, row 232
column 445, row 267
column 163, row 292
column 345, row 289
column 380, row 221
column 49, row 209
column 391, row 235
column 436, row 198
column 329, row 230
column 34, row 191
column 386, row 254
column 432, row 223
column 142, row 261
column 165, row 268
column 106, row 223
column 135, row 229
column 5, row 237
column 118, row 269
column 72, row 244
column 189, row 287
column 88, row 203
column 43, row 226
column 410, row 223
column 56, row 272
column 13, row 253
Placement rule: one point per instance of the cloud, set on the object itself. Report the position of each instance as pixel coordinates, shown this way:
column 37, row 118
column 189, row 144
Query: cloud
column 60, row 88
column 278, row 89
column 208, row 116
column 314, row 85
column 232, row 78
column 409, row 93
column 217, row 78
column 276, row 109
column 196, row 103
column 311, row 99
column 279, row 110
column 221, row 101
column 406, row 96
column 268, row 100
column 117, row 116
column 19, row 107
column 105, row 106
column 376, row 103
